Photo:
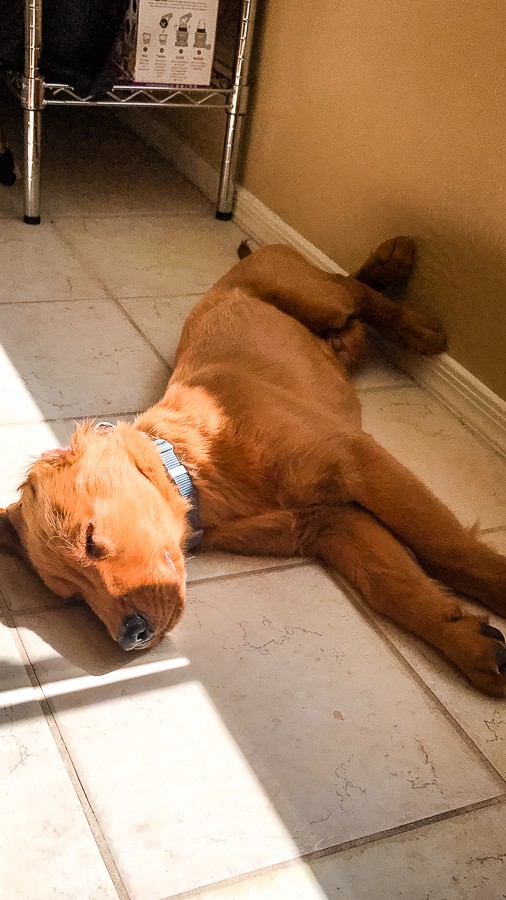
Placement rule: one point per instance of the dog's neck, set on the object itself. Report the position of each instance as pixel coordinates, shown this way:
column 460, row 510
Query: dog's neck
column 189, row 420
column 211, row 449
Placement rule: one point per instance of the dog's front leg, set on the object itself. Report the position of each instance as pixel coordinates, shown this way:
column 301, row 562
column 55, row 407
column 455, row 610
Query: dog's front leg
column 271, row 533
column 446, row 549
column 391, row 581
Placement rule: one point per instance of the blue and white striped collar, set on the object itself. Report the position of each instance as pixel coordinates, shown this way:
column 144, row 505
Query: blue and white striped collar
column 180, row 477
column 183, row 482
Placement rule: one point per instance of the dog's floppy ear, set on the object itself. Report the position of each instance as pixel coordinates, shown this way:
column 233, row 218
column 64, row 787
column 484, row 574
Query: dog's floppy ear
column 58, row 457
column 12, row 528
column 147, row 461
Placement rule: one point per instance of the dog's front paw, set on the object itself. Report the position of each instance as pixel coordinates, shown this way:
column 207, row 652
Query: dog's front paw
column 419, row 333
column 482, row 655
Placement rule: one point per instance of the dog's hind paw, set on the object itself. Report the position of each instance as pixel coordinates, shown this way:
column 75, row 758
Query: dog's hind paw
column 389, row 265
column 419, row 333
column 483, row 657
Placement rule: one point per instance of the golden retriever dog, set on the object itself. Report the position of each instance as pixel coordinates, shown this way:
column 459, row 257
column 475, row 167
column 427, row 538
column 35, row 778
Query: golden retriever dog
column 257, row 447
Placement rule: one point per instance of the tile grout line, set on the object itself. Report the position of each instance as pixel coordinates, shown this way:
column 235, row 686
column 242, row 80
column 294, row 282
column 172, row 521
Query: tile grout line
column 381, row 388
column 110, row 296
column 360, row 605
column 96, row 216
column 102, row 299
column 79, row 789
column 69, row 603
column 116, row 300
column 63, row 418
column 229, row 576
column 334, row 850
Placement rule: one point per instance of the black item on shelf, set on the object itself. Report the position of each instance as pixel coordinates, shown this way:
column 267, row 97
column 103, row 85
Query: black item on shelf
column 77, row 39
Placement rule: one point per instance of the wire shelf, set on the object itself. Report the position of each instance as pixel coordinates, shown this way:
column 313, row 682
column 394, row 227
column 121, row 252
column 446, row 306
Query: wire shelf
column 216, row 96
column 228, row 91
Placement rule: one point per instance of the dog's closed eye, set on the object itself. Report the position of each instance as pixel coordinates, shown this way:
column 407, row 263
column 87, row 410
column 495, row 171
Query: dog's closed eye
column 94, row 549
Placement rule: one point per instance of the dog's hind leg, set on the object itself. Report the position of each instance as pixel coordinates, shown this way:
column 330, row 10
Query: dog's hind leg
column 323, row 301
column 389, row 266
column 390, row 580
column 445, row 548
column 350, row 344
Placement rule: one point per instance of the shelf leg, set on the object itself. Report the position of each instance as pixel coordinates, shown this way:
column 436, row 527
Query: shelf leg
column 32, row 139
column 225, row 202
column 235, row 113
column 32, row 98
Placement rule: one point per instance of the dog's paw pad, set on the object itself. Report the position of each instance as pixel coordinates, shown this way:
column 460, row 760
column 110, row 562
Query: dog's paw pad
column 489, row 631
column 417, row 332
column 497, row 636
column 389, row 265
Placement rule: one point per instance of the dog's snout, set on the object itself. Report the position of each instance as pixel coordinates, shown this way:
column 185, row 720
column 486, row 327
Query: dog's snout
column 135, row 632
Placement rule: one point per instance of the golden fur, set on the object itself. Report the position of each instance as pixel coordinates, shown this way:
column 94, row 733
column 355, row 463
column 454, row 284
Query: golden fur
column 261, row 410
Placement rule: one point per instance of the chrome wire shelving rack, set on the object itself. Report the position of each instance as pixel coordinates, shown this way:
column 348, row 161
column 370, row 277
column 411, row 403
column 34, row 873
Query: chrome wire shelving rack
column 228, row 91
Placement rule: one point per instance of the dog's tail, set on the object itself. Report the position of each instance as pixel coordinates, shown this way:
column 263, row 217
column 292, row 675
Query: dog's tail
column 246, row 248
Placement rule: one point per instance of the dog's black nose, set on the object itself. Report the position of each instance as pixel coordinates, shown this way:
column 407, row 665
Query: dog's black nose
column 135, row 631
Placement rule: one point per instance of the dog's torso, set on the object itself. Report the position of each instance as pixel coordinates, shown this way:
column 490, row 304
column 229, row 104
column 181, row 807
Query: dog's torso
column 275, row 403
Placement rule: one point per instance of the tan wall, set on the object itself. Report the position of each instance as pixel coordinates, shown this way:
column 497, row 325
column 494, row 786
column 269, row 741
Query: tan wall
column 373, row 119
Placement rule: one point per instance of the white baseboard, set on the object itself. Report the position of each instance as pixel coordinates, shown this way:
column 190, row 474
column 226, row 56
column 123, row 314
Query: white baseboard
column 467, row 398
column 169, row 144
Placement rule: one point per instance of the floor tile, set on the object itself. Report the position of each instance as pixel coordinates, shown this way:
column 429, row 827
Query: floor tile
column 37, row 265
column 431, row 442
column 156, row 190
column 455, row 859
column 81, row 357
column 46, row 847
column 214, row 564
column 482, row 718
column 154, row 257
column 378, row 372
column 22, row 444
column 496, row 539
column 8, row 203
column 21, row 588
column 162, row 320
column 97, row 177
column 260, row 730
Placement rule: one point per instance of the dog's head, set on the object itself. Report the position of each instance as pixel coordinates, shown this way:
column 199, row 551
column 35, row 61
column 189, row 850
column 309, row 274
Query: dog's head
column 101, row 519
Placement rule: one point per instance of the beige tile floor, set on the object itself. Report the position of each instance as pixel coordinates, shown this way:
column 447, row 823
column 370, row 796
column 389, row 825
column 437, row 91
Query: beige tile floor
column 284, row 743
